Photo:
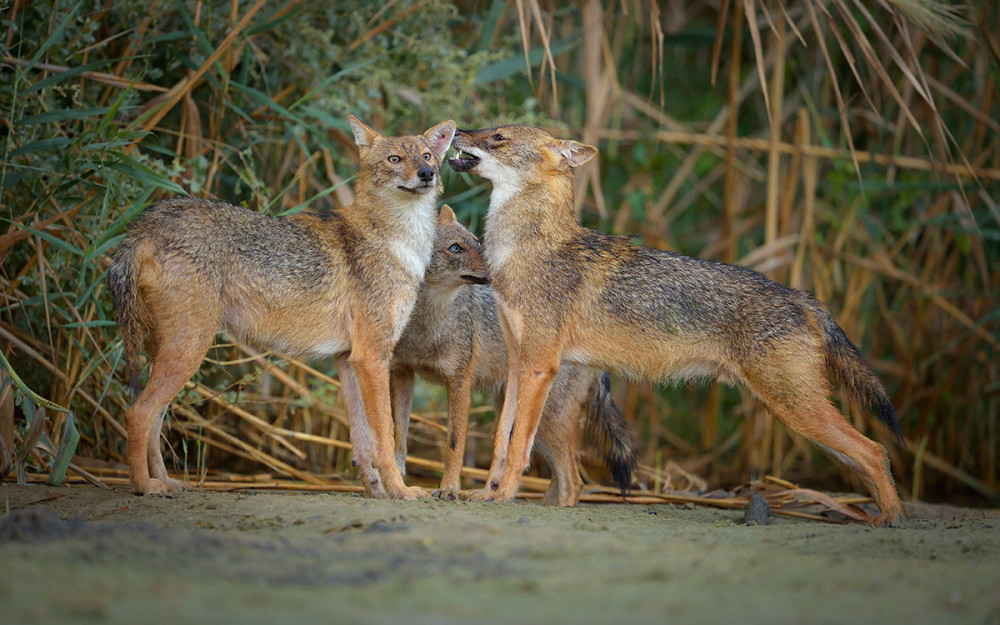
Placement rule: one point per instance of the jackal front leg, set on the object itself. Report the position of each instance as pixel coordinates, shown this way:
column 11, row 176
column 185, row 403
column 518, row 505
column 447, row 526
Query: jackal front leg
column 372, row 374
column 533, row 387
column 459, row 396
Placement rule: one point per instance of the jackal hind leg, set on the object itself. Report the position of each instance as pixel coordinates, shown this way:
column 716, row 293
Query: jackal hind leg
column 805, row 408
column 556, row 441
column 180, row 347
column 401, row 395
column 154, row 456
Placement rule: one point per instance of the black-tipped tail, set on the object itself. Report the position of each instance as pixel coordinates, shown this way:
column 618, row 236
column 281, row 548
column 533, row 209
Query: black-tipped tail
column 611, row 436
column 847, row 365
column 129, row 311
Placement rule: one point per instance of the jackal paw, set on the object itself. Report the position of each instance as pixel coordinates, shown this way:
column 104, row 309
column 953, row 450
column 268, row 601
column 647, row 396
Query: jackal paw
column 175, row 486
column 558, row 499
column 165, row 488
column 375, row 490
column 446, row 494
column 408, row 493
column 483, row 494
column 886, row 519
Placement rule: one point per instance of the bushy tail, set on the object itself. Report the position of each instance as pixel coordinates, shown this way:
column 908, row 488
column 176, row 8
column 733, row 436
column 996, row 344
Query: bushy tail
column 608, row 432
column 129, row 310
column 848, row 367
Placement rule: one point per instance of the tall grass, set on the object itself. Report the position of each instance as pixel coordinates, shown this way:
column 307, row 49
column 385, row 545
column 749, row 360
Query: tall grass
column 848, row 150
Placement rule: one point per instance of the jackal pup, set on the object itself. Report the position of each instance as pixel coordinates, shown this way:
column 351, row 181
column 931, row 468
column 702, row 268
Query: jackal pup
column 338, row 284
column 566, row 293
column 453, row 338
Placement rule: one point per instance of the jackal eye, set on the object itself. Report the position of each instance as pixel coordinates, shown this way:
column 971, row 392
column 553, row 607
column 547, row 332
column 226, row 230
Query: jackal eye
column 427, row 156
column 498, row 137
column 394, row 159
column 455, row 248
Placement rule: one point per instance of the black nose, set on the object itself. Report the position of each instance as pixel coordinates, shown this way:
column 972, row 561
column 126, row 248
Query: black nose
column 426, row 174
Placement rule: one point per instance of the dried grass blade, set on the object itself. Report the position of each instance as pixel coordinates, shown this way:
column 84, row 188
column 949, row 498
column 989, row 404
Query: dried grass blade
column 720, row 33
column 525, row 35
column 875, row 63
column 841, row 107
column 828, row 501
column 750, row 10
column 255, row 453
column 537, row 13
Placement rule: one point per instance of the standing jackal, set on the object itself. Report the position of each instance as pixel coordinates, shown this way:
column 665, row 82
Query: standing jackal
column 453, row 337
column 566, row 293
column 338, row 284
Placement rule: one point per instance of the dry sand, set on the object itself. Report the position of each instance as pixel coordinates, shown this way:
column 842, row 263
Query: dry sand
column 79, row 555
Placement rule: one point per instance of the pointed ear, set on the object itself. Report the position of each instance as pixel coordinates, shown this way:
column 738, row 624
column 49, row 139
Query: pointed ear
column 572, row 153
column 447, row 215
column 440, row 137
column 364, row 136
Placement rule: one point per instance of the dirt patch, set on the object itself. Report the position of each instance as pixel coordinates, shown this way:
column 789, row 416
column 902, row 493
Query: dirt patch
column 83, row 554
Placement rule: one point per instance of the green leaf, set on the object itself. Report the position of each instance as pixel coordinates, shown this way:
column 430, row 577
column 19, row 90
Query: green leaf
column 117, row 228
column 514, row 64
column 325, row 119
column 325, row 192
column 45, row 236
column 70, row 439
column 61, row 115
column 140, row 173
column 199, row 34
column 96, row 323
column 42, row 145
column 270, row 21
column 490, row 24
column 265, row 100
column 70, row 73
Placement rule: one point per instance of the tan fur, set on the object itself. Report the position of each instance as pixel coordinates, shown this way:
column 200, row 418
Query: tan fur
column 453, row 338
column 566, row 293
column 339, row 284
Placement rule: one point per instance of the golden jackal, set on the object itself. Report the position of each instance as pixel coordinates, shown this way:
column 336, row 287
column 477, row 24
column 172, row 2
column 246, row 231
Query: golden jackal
column 338, row 284
column 568, row 293
column 453, row 337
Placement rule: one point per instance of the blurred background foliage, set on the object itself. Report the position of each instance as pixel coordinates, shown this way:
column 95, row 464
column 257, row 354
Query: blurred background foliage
column 844, row 147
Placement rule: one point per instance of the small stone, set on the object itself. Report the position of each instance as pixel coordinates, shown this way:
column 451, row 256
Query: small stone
column 758, row 511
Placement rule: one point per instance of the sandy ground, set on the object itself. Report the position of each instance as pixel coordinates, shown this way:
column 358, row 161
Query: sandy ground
column 78, row 555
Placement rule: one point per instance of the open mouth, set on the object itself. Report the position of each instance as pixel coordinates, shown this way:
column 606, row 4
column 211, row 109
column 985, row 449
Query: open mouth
column 464, row 162
column 418, row 190
column 476, row 279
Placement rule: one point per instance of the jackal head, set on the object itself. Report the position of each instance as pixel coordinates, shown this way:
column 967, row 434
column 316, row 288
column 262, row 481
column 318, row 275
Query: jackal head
column 402, row 168
column 458, row 256
column 516, row 154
